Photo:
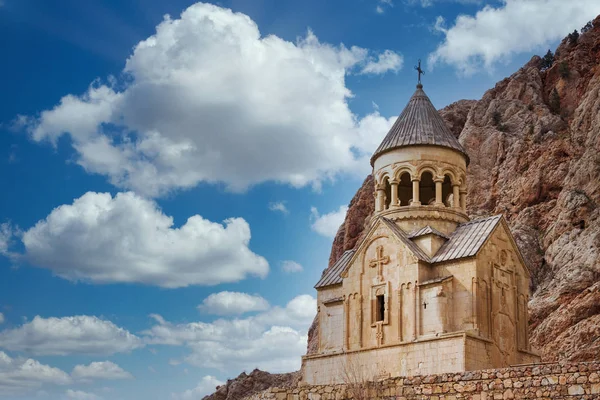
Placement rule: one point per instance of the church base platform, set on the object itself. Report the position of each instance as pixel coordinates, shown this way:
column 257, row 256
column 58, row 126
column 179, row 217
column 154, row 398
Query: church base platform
column 450, row 353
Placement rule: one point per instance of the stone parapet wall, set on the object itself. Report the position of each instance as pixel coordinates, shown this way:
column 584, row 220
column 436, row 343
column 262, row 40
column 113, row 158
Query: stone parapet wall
column 541, row 381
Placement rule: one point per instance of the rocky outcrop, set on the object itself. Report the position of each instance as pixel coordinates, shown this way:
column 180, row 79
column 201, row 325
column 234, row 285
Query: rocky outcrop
column 246, row 385
column 456, row 115
column 534, row 144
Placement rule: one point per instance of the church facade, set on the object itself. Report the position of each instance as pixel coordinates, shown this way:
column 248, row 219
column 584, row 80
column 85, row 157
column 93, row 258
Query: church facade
column 427, row 290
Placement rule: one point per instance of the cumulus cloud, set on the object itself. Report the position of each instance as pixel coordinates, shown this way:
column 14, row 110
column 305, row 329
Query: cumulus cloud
column 208, row 99
column 385, row 62
column 100, row 370
column 69, row 335
column 279, row 206
column 272, row 340
column 290, row 266
column 126, row 238
column 1, row 318
column 494, row 34
column 206, row 386
column 328, row 224
column 81, row 395
column 21, row 375
column 232, row 303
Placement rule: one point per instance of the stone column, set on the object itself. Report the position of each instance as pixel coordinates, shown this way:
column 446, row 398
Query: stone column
column 456, row 195
column 438, row 192
column 415, row 193
column 394, row 200
column 379, row 198
column 463, row 200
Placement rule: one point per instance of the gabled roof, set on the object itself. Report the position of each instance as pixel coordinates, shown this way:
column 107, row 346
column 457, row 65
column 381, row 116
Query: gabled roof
column 420, row 254
column 467, row 239
column 331, row 276
column 426, row 230
column 419, row 124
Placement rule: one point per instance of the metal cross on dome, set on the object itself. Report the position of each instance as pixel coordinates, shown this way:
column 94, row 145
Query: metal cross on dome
column 420, row 71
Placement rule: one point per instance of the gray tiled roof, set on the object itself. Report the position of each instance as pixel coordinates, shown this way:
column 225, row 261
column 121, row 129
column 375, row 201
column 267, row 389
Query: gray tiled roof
column 419, row 123
column 425, row 231
column 467, row 239
column 409, row 243
column 331, row 276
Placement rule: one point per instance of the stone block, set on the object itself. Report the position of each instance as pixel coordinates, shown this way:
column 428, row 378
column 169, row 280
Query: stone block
column 575, row 390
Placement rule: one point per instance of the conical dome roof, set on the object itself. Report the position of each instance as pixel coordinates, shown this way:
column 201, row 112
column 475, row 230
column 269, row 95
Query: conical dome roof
column 419, row 124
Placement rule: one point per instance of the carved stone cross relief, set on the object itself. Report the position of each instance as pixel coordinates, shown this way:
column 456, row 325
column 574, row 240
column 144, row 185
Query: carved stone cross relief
column 379, row 262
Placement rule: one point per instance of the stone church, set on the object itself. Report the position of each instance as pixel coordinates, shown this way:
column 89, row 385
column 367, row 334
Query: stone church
column 428, row 290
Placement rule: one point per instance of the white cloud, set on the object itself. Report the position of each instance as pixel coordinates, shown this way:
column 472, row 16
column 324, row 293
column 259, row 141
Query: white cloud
column 208, row 99
column 6, row 234
column 100, row 370
column 328, row 224
column 290, row 266
column 279, row 206
column 80, row 395
column 273, row 340
column 1, row 318
column 232, row 303
column 382, row 5
column 21, row 375
column 127, row 238
column 69, row 335
column 496, row 33
column 206, row 386
column 386, row 61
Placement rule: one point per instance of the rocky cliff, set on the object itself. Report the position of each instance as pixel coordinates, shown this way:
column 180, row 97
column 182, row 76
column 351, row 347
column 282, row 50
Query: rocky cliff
column 534, row 143
column 246, row 385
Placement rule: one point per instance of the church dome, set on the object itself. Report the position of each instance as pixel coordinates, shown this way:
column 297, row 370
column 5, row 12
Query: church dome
column 419, row 124
column 420, row 170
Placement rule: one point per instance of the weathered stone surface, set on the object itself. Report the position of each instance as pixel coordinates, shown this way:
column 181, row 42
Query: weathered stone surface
column 502, row 384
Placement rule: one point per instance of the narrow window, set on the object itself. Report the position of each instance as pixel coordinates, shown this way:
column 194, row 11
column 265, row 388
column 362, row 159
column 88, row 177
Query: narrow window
column 380, row 307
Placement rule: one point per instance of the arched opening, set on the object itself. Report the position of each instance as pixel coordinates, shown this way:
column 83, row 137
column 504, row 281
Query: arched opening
column 405, row 189
column 447, row 191
column 427, row 189
column 388, row 193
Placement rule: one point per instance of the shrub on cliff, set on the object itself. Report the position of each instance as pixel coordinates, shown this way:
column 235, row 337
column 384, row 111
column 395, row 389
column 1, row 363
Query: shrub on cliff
column 563, row 69
column 573, row 37
column 547, row 60
column 554, row 102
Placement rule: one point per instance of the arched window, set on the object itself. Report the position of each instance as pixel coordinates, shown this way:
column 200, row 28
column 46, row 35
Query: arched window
column 447, row 190
column 426, row 189
column 388, row 193
column 405, row 189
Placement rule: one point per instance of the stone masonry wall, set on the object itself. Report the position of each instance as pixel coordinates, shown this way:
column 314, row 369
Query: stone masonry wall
column 541, row 381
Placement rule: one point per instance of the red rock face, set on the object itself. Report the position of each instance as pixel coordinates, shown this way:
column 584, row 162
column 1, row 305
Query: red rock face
column 539, row 165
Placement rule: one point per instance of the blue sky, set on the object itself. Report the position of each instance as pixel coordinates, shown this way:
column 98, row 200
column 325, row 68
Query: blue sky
column 172, row 186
